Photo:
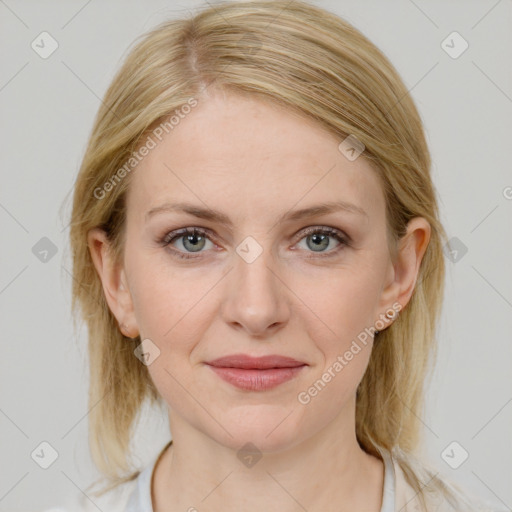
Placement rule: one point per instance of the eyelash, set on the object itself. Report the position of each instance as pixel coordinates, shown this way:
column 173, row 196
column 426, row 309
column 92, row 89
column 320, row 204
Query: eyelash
column 325, row 230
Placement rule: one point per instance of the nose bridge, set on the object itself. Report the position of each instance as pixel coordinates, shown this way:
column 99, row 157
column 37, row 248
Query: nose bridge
column 254, row 265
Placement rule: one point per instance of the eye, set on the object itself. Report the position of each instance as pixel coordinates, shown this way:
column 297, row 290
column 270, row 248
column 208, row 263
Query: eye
column 318, row 239
column 192, row 240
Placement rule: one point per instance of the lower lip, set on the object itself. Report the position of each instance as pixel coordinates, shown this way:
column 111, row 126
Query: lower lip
column 256, row 380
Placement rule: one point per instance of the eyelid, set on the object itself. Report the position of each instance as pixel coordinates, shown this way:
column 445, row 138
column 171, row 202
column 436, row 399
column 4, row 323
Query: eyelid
column 303, row 232
column 176, row 233
column 341, row 236
column 329, row 230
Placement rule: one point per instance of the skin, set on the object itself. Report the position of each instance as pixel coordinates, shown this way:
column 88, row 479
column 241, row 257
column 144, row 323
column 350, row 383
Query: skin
column 254, row 162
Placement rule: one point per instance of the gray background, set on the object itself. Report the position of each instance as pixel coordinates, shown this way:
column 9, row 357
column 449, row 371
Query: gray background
column 47, row 108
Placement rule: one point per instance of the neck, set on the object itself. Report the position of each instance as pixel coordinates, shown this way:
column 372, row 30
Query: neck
column 326, row 472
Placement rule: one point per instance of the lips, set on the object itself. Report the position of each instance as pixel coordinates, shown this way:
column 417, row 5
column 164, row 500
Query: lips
column 246, row 362
column 256, row 373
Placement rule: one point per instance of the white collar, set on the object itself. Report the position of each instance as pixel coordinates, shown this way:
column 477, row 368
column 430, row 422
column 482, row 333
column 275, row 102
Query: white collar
column 140, row 499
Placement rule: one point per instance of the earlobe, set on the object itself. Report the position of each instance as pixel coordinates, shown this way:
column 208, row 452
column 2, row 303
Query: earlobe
column 113, row 280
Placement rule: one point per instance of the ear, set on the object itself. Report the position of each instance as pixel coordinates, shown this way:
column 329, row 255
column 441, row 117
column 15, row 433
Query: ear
column 115, row 285
column 404, row 270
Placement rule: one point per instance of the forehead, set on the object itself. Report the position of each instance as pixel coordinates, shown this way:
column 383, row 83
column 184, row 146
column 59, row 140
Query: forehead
column 237, row 152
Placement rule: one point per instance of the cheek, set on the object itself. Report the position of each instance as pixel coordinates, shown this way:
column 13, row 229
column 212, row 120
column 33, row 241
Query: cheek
column 340, row 331
column 339, row 313
column 339, row 303
column 168, row 299
column 173, row 308
column 334, row 384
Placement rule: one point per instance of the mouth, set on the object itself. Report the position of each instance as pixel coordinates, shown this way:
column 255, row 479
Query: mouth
column 247, row 362
column 256, row 373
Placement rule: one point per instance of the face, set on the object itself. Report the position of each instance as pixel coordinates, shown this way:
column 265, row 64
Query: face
column 261, row 280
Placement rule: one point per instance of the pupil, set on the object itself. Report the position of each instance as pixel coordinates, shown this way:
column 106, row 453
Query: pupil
column 318, row 239
column 194, row 239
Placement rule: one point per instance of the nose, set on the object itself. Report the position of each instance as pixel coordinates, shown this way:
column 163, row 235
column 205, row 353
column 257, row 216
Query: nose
column 256, row 296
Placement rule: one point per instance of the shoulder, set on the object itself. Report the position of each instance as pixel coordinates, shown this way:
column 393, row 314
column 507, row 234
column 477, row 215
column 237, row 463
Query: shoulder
column 413, row 479
column 131, row 496
column 115, row 500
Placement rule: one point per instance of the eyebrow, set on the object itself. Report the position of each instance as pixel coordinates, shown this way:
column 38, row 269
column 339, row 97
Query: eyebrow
column 221, row 218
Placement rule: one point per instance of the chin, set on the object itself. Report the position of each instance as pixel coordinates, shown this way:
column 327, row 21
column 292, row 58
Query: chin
column 270, row 428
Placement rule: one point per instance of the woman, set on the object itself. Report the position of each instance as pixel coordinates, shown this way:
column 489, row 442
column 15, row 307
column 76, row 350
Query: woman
column 257, row 246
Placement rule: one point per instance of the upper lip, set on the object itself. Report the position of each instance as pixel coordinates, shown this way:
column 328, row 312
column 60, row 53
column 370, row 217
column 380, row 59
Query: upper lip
column 258, row 363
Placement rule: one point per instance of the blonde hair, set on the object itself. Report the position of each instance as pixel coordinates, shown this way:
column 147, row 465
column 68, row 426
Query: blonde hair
column 308, row 60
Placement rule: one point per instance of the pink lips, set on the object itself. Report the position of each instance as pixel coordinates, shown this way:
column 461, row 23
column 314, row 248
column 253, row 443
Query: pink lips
column 256, row 373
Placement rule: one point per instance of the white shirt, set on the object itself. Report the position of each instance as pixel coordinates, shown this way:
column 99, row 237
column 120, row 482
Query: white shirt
column 135, row 496
column 140, row 498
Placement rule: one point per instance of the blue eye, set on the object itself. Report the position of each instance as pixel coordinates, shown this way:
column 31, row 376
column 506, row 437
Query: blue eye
column 194, row 239
column 320, row 238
